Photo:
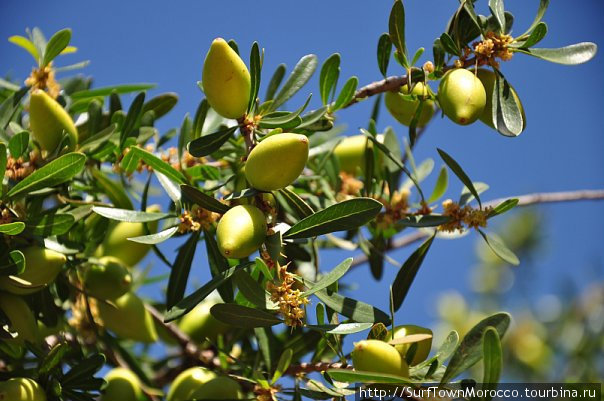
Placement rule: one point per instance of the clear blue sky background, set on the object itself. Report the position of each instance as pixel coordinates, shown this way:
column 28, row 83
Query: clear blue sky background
column 561, row 149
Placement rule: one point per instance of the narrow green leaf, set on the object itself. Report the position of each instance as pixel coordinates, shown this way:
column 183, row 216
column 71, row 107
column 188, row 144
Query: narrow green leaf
column 49, row 224
column 255, row 72
column 543, row 4
column 200, row 118
column 275, row 81
column 57, row 43
column 359, row 376
column 161, row 104
column 3, row 161
column 449, row 45
column 54, row 173
column 108, row 90
column 492, row 360
column 284, row 119
column 396, row 27
column 208, row 144
column 442, row 182
column 328, row 79
column 130, row 216
column 114, row 191
column 503, row 207
column 498, row 10
column 500, row 249
column 26, row 44
column 536, row 35
column 12, row 263
column 346, row 94
column 12, row 228
column 179, row 275
column 356, row 310
column 469, row 351
column 154, row 162
column 406, row 274
column 244, row 317
column 341, row 329
column 53, row 358
column 18, row 144
column 189, row 302
column 218, row 265
column 83, row 370
column 302, row 208
column 508, row 118
column 428, row 220
column 284, row 362
column 297, row 79
column 569, row 55
column 205, row 201
column 458, row 171
column 418, row 53
column 252, row 291
column 134, row 113
column 384, row 49
column 346, row 215
column 156, row 238
column 328, row 279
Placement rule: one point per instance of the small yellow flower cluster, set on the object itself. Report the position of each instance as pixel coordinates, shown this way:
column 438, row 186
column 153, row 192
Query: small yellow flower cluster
column 5, row 216
column 44, row 78
column 266, row 394
column 472, row 218
column 291, row 304
column 140, row 167
column 492, row 47
column 396, row 209
column 80, row 318
column 197, row 219
column 188, row 160
column 18, row 169
column 350, row 187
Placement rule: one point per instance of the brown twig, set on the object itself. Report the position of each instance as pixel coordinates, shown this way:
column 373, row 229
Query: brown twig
column 523, row 200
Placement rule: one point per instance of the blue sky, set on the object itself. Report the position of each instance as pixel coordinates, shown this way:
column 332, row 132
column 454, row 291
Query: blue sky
column 561, row 148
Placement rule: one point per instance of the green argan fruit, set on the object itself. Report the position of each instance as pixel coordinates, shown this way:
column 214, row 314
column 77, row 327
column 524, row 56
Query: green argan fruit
column 22, row 320
column 226, row 80
column 423, row 346
column 488, row 77
column 129, row 318
column 379, row 357
column 219, row 388
column 187, row 382
column 461, row 96
column 277, row 161
column 116, row 242
column 350, row 153
column 122, row 385
column 21, row 389
column 48, row 119
column 199, row 324
column 110, row 279
column 403, row 110
column 41, row 268
column 241, row 231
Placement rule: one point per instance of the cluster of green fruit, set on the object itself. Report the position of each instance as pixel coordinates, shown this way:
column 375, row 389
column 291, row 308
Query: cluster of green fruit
column 196, row 383
column 464, row 97
column 393, row 357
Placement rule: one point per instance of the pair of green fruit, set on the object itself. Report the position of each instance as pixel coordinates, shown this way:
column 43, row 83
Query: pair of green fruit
column 381, row 357
column 21, row 389
column 463, row 96
column 195, row 383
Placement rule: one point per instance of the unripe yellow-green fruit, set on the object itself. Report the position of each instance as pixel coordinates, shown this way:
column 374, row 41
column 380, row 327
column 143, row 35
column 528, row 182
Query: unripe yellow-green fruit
column 22, row 320
column 219, row 388
column 116, row 242
column 48, row 119
column 403, row 110
column 488, row 77
column 41, row 268
column 187, row 382
column 423, row 346
column 350, row 153
column 21, row 389
column 277, row 161
column 462, row 96
column 199, row 324
column 379, row 357
column 110, row 279
column 226, row 80
column 241, row 231
column 122, row 385
column 129, row 318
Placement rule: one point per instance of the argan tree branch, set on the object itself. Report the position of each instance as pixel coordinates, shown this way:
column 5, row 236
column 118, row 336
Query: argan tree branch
column 523, row 200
